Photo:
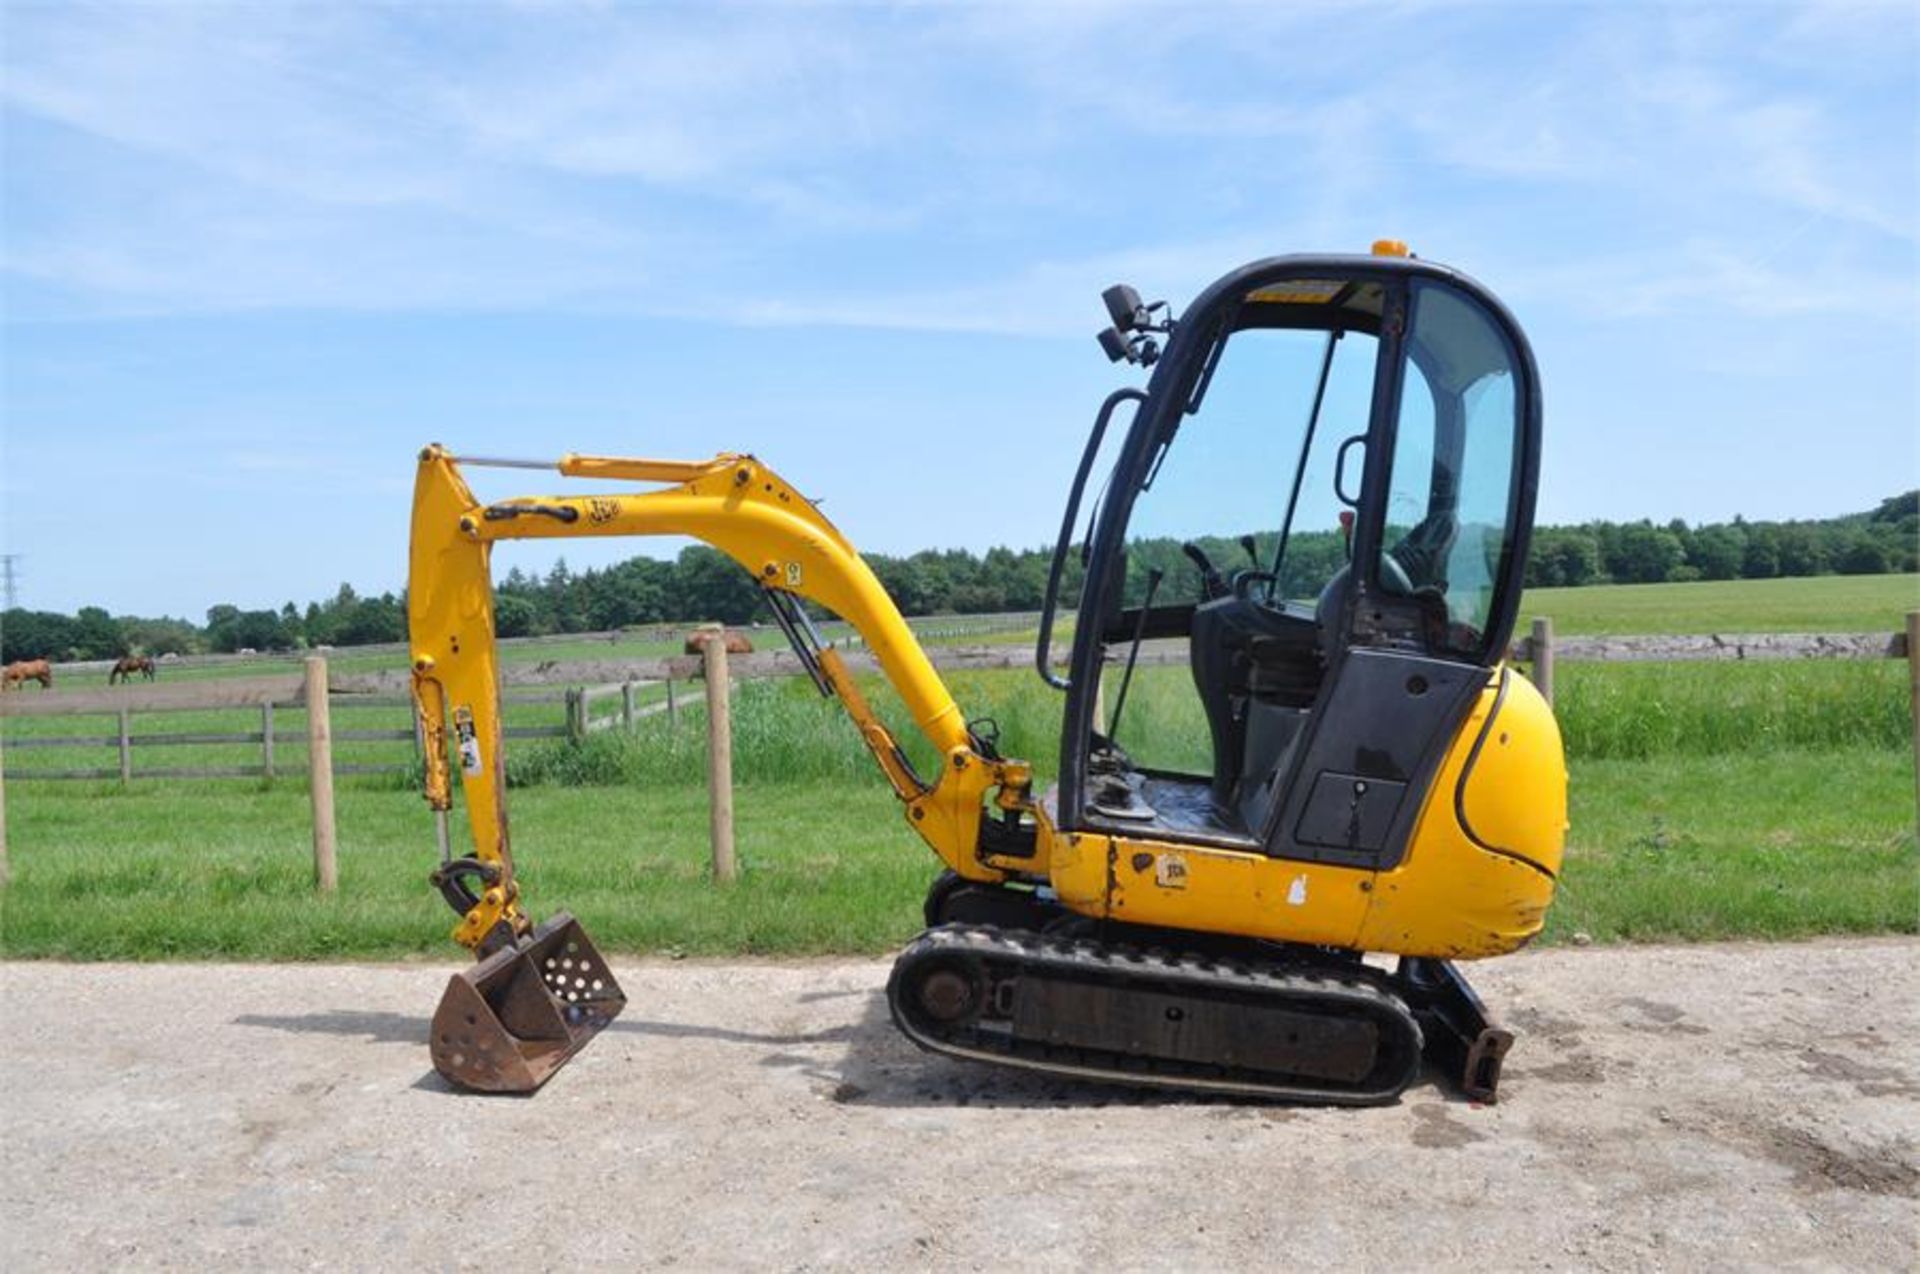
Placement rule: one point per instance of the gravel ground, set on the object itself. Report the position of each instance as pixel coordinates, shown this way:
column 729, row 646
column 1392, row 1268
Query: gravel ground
column 1713, row 1106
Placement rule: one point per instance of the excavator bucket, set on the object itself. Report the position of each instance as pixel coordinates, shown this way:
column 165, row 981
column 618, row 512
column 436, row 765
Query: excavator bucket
column 513, row 1019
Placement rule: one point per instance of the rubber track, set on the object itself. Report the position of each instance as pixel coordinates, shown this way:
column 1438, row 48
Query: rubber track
column 1153, row 969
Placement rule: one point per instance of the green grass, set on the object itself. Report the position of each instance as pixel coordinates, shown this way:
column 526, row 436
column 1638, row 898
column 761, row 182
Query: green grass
column 1818, row 604
column 223, row 870
column 1783, row 845
column 1753, row 799
column 347, row 660
column 1629, row 711
column 1795, row 819
column 1777, row 845
column 1646, row 711
column 788, row 733
column 290, row 755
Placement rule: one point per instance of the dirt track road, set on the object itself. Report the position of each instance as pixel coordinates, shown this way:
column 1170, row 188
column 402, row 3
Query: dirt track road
column 1674, row 1107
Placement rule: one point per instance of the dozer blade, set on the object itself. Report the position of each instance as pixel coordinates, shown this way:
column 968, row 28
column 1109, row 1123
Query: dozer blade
column 513, row 1019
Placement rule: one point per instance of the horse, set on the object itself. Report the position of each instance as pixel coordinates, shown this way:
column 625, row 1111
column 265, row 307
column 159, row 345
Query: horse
column 125, row 666
column 16, row 675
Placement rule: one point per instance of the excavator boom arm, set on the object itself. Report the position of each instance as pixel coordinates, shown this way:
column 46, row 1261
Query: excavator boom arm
column 737, row 505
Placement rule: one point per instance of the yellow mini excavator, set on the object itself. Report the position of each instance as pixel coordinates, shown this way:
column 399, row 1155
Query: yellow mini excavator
column 1344, row 765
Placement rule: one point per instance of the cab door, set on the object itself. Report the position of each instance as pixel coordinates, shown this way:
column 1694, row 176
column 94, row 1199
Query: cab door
column 1441, row 531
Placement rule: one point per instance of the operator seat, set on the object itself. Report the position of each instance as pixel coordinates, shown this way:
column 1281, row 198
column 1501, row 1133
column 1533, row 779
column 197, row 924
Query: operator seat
column 1257, row 669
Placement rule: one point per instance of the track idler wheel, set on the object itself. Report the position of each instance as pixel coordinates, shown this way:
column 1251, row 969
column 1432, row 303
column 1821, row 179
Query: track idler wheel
column 513, row 1019
column 950, row 993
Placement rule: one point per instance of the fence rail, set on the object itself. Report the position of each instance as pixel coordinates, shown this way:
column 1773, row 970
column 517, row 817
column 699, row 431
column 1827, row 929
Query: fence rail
column 617, row 681
column 315, row 690
column 583, row 715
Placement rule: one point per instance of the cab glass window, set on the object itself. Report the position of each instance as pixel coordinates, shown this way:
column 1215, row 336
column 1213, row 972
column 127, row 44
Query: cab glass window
column 1245, row 486
column 1449, row 515
column 1254, row 453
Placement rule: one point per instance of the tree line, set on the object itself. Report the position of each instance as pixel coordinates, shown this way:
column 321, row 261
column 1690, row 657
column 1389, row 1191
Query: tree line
column 1875, row 543
column 702, row 584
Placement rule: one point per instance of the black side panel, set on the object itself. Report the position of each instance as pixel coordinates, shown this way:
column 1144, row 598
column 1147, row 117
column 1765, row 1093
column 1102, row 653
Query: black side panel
column 1372, row 756
column 1351, row 812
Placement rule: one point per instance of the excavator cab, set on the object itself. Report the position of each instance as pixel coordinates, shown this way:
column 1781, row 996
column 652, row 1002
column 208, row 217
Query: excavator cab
column 1321, row 510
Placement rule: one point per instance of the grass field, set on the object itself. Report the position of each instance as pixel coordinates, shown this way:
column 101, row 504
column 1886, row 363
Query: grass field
column 1765, row 800
column 290, row 755
column 935, row 630
column 1817, row 604
column 1764, row 844
column 349, row 660
column 1689, row 849
column 1709, row 800
column 1829, row 603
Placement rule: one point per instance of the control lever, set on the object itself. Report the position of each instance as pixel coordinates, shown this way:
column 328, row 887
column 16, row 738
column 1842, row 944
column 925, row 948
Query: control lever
column 1154, row 577
column 1212, row 585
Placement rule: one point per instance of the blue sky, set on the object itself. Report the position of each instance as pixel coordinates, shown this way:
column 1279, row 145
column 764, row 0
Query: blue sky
column 255, row 255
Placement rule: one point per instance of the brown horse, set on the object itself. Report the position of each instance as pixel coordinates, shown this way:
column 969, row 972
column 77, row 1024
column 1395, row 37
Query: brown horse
column 125, row 666
column 16, row 675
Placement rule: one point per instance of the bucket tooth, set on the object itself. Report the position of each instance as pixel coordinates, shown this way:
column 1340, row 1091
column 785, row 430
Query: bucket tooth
column 513, row 1019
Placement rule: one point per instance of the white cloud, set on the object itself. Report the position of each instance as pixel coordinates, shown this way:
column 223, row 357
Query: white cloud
column 917, row 167
column 294, row 100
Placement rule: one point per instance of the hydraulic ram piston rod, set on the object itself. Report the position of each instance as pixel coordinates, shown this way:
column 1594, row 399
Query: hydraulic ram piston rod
column 501, row 462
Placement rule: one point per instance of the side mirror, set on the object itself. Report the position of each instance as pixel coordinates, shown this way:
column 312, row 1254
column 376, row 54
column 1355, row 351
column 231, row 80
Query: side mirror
column 1130, row 314
column 1124, row 307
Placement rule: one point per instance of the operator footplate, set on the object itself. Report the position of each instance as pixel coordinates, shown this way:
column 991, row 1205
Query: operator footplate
column 1129, row 1015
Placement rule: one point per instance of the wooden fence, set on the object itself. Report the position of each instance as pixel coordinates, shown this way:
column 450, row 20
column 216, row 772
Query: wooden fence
column 608, row 699
column 313, row 695
column 584, row 714
column 620, row 679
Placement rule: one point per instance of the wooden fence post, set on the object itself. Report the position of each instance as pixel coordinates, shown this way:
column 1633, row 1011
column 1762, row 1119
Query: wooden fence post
column 266, row 738
column 126, row 747
column 673, row 707
column 326, row 876
column 1913, row 672
column 6, row 872
column 719, row 756
column 576, row 714
column 1541, row 648
column 626, row 706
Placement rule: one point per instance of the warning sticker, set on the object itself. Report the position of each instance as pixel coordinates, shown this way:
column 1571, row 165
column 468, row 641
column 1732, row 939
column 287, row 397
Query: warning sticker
column 468, row 741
